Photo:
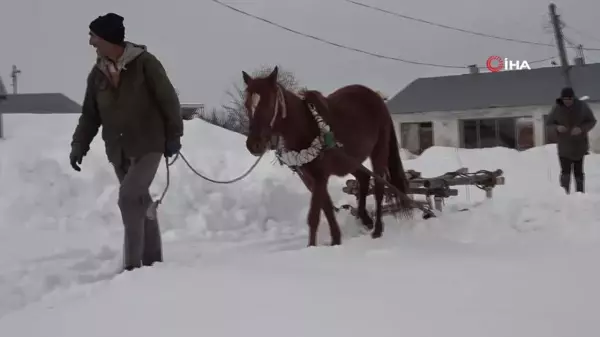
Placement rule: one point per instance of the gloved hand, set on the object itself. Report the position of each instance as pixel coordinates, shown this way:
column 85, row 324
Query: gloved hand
column 172, row 147
column 576, row 131
column 561, row 128
column 76, row 157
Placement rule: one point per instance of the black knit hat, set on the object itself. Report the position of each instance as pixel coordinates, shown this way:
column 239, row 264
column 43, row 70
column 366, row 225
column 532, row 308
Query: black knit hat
column 109, row 27
column 567, row 92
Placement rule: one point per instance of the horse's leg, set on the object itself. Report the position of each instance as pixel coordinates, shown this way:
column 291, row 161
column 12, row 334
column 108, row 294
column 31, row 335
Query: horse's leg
column 363, row 180
column 319, row 191
column 306, row 179
column 379, row 159
column 334, row 227
column 378, row 189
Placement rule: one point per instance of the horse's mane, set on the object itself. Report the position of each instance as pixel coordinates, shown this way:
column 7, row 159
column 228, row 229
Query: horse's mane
column 318, row 100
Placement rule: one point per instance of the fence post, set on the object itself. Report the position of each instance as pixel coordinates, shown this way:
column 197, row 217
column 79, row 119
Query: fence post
column 489, row 192
column 438, row 201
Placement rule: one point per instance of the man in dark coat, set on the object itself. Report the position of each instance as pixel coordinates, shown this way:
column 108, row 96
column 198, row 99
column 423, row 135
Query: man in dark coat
column 130, row 95
column 572, row 119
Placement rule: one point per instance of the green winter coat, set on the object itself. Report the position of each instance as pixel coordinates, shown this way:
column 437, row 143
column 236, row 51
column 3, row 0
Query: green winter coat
column 138, row 116
column 569, row 146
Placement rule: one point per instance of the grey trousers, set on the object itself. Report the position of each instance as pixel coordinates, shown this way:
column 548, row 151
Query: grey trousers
column 142, row 242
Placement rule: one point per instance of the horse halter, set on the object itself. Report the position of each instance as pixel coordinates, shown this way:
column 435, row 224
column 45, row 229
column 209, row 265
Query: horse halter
column 279, row 101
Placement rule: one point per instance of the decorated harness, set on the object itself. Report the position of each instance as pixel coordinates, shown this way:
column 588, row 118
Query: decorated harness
column 322, row 142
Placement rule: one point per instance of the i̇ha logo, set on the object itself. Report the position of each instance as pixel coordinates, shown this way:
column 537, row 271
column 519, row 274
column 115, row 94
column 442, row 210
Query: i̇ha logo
column 496, row 63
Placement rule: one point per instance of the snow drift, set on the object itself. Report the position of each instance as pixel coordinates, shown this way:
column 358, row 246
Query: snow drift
column 520, row 264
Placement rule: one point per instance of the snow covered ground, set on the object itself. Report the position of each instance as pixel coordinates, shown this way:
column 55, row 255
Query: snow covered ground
column 522, row 264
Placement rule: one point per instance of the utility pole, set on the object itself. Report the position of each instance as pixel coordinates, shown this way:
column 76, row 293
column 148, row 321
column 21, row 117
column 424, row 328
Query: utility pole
column 560, row 43
column 15, row 74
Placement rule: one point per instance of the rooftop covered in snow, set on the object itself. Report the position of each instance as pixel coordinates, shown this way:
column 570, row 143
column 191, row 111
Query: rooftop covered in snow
column 39, row 103
column 533, row 87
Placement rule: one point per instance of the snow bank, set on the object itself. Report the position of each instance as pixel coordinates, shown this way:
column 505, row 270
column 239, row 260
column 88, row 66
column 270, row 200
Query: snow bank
column 516, row 265
column 531, row 206
column 60, row 227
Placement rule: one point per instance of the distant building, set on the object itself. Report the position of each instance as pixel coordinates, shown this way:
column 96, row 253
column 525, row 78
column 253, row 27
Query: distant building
column 40, row 103
column 55, row 103
column 190, row 111
column 3, row 92
column 478, row 110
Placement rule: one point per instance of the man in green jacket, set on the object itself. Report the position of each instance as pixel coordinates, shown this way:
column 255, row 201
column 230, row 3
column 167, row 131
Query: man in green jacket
column 572, row 119
column 130, row 95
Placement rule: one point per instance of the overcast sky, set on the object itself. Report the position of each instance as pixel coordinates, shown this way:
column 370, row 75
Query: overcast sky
column 205, row 46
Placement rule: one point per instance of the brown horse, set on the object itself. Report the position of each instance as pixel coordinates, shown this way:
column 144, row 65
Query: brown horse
column 361, row 127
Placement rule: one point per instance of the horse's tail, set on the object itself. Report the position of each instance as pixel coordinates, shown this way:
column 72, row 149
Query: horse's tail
column 398, row 176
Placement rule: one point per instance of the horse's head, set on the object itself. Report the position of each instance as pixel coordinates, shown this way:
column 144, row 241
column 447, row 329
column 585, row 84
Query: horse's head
column 264, row 100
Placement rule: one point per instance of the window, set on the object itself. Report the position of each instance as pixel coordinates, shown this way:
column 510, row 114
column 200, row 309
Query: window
column 416, row 137
column 409, row 136
column 425, row 136
column 525, row 133
column 507, row 133
column 514, row 133
column 488, row 133
column 470, row 134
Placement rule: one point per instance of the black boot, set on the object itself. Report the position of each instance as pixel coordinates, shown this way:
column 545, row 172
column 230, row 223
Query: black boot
column 580, row 184
column 565, row 182
column 151, row 258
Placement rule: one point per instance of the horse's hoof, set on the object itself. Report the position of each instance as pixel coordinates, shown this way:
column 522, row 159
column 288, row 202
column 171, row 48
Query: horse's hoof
column 366, row 221
column 376, row 235
column 337, row 242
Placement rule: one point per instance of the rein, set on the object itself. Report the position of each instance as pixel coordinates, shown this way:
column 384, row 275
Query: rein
column 152, row 209
column 292, row 159
column 151, row 212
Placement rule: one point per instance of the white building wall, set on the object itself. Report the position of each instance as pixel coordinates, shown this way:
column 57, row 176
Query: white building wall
column 594, row 135
column 446, row 126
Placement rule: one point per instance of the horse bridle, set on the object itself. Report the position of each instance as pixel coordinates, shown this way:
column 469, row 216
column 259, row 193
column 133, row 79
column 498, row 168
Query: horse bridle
column 279, row 101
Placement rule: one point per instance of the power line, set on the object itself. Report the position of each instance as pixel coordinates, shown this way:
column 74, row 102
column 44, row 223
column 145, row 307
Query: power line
column 351, row 48
column 568, row 41
column 584, row 34
column 574, row 45
column 542, row 60
column 446, row 26
column 454, row 28
column 337, row 44
column 580, row 51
